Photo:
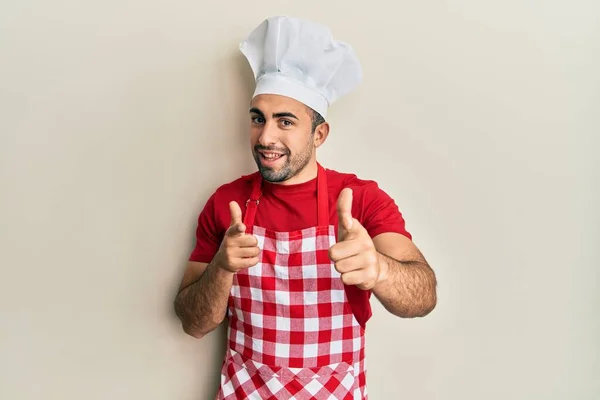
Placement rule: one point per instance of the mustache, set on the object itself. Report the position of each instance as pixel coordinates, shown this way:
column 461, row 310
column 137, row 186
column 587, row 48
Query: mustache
column 284, row 151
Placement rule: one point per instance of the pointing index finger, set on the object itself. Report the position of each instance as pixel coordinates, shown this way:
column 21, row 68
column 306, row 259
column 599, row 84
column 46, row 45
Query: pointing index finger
column 236, row 225
column 236, row 213
column 344, row 208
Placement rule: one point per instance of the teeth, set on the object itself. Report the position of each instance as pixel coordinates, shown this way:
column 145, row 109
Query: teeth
column 271, row 156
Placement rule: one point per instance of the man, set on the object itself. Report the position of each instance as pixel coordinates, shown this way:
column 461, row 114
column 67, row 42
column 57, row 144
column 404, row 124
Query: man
column 291, row 254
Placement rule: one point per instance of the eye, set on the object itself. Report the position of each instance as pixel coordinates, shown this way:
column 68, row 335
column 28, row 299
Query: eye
column 257, row 120
column 286, row 122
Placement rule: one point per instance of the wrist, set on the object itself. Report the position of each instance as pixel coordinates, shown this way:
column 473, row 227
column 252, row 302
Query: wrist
column 384, row 268
column 220, row 268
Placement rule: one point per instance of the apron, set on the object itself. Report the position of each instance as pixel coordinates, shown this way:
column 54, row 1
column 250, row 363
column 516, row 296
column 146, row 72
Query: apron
column 292, row 333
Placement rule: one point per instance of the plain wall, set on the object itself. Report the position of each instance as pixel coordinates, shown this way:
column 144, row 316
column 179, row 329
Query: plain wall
column 119, row 118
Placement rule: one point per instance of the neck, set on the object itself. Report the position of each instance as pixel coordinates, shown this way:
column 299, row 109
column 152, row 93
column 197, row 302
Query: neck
column 306, row 174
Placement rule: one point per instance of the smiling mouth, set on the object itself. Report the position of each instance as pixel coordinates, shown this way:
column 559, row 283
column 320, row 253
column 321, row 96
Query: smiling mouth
column 270, row 156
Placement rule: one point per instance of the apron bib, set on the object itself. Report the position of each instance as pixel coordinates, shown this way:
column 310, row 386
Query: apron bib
column 292, row 333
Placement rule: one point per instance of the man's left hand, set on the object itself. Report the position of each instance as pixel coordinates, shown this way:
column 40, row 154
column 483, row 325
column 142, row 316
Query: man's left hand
column 355, row 256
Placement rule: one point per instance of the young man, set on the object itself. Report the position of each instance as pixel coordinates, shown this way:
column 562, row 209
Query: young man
column 291, row 254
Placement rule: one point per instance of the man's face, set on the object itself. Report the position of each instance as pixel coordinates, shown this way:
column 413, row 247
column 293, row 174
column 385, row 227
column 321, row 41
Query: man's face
column 281, row 136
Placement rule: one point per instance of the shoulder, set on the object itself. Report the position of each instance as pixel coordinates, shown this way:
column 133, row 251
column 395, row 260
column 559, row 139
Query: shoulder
column 368, row 198
column 371, row 205
column 236, row 189
column 337, row 181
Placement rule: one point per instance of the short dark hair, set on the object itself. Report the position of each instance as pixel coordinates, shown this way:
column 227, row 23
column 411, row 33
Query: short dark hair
column 317, row 119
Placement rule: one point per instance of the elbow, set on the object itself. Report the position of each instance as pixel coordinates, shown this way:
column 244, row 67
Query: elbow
column 193, row 332
column 429, row 302
column 187, row 326
column 423, row 300
column 417, row 309
column 197, row 331
column 191, row 325
column 428, row 307
column 413, row 312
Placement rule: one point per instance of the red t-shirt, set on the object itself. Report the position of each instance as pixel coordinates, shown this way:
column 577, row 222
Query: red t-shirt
column 285, row 208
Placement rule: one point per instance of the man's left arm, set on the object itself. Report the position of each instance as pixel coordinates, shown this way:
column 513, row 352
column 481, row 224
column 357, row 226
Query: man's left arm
column 389, row 264
column 406, row 284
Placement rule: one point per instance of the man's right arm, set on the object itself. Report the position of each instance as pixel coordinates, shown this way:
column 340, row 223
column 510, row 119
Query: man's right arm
column 201, row 303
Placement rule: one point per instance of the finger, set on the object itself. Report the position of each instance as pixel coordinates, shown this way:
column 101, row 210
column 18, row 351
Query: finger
column 355, row 242
column 355, row 230
column 236, row 230
column 344, row 209
column 245, row 252
column 367, row 285
column 236, row 213
column 243, row 263
column 244, row 240
column 366, row 260
column 342, row 250
column 353, row 277
column 348, row 265
column 361, row 278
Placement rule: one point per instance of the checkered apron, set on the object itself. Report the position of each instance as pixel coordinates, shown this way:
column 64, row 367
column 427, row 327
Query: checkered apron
column 292, row 333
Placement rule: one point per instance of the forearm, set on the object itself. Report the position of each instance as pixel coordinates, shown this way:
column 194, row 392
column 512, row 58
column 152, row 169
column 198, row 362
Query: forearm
column 408, row 288
column 201, row 306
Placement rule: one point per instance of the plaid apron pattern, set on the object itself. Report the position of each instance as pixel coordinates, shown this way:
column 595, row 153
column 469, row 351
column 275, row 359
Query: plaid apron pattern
column 292, row 333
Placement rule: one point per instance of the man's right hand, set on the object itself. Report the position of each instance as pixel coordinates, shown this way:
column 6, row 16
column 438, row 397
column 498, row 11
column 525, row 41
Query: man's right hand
column 238, row 250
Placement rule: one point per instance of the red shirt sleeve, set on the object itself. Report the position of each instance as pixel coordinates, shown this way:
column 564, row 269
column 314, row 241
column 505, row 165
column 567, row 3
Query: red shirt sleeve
column 213, row 220
column 207, row 234
column 380, row 213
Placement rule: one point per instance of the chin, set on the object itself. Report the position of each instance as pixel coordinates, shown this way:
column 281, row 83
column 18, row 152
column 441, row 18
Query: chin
column 275, row 175
column 272, row 176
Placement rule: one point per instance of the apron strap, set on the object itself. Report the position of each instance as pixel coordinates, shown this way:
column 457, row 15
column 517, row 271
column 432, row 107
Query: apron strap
column 322, row 200
column 252, row 203
column 322, row 197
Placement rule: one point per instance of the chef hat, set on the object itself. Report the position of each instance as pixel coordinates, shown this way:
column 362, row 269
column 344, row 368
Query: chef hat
column 300, row 59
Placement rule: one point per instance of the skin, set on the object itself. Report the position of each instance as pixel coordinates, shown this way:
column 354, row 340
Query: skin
column 389, row 264
column 281, row 125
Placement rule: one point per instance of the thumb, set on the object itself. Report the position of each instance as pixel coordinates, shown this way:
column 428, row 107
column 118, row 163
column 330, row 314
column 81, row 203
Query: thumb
column 236, row 216
column 344, row 209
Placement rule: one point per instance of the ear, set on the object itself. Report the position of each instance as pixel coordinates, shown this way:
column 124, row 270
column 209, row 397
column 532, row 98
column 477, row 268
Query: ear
column 321, row 133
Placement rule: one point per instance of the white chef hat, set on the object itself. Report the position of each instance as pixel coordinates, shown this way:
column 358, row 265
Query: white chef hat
column 300, row 59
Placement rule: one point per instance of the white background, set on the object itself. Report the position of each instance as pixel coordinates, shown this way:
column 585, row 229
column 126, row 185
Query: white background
column 119, row 118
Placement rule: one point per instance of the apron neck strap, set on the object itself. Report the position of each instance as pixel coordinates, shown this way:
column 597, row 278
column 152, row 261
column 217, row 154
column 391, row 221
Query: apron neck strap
column 252, row 202
column 322, row 200
column 322, row 197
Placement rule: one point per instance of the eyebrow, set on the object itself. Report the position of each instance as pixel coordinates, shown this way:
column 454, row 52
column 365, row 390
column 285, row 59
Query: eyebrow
column 255, row 110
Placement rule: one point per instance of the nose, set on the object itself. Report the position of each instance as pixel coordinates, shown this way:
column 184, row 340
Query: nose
column 269, row 134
